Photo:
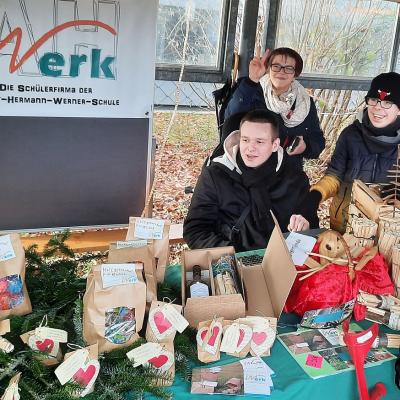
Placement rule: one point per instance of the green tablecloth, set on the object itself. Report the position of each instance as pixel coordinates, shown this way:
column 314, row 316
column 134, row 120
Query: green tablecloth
column 290, row 381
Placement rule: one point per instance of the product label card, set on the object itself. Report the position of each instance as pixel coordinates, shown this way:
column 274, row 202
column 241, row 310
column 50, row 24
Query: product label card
column 122, row 244
column 58, row 335
column 118, row 274
column 299, row 245
column 257, row 377
column 199, row 289
column 148, row 228
column 177, row 320
column 143, row 353
column 6, row 249
column 71, row 365
column 230, row 339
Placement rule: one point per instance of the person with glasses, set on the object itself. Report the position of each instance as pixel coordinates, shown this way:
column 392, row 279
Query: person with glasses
column 365, row 150
column 272, row 84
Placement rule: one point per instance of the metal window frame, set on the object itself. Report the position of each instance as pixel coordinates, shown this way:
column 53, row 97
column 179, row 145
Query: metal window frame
column 192, row 73
column 317, row 81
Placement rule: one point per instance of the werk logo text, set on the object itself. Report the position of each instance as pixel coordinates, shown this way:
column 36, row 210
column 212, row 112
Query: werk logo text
column 54, row 64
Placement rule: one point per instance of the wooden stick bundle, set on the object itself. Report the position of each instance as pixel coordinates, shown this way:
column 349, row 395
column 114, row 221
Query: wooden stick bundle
column 387, row 240
column 364, row 230
column 389, row 302
column 396, row 268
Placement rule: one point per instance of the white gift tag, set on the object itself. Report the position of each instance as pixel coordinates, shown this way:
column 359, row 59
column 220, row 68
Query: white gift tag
column 6, row 249
column 86, row 376
column 176, row 319
column 298, row 246
column 43, row 345
column 122, row 244
column 143, row 353
column 71, row 365
column 148, row 228
column 230, row 339
column 12, row 392
column 199, row 289
column 118, row 274
column 58, row 335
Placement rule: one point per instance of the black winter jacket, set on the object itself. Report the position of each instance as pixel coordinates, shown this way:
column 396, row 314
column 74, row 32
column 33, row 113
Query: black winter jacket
column 359, row 155
column 249, row 96
column 220, row 198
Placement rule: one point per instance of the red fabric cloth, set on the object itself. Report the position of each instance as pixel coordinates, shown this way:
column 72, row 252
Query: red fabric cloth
column 333, row 286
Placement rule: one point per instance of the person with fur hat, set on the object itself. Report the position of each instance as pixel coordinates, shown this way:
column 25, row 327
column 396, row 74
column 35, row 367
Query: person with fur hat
column 365, row 150
column 235, row 192
column 272, row 84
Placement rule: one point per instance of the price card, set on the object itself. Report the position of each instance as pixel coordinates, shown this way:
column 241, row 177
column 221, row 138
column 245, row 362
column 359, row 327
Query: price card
column 148, row 228
column 68, row 368
column 58, row 335
column 176, row 319
column 118, row 274
column 143, row 353
column 298, row 246
column 6, row 249
column 131, row 243
column 257, row 379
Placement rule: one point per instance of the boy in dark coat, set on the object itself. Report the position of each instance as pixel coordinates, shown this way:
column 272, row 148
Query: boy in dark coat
column 234, row 194
column 366, row 149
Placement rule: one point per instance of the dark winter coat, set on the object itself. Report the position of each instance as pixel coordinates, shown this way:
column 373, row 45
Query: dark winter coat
column 220, row 198
column 249, row 96
column 359, row 155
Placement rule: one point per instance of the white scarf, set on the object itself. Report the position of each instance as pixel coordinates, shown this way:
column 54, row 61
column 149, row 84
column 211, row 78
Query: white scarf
column 282, row 104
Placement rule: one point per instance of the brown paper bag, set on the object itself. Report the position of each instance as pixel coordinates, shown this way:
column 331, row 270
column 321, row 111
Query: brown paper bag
column 51, row 351
column 161, row 246
column 113, row 316
column 14, row 298
column 159, row 329
column 144, row 254
column 209, row 335
column 82, row 373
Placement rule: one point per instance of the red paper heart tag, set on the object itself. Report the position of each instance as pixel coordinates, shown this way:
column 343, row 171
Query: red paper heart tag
column 159, row 361
column 45, row 345
column 161, row 322
column 259, row 337
column 83, row 377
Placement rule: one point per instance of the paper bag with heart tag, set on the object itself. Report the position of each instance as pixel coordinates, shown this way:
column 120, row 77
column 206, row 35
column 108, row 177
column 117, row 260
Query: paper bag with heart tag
column 49, row 351
column 160, row 237
column 138, row 252
column 86, row 375
column 165, row 363
column 14, row 298
column 209, row 335
column 159, row 328
column 239, row 334
column 112, row 315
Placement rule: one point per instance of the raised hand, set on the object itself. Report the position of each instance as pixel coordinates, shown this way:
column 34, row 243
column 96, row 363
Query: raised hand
column 257, row 67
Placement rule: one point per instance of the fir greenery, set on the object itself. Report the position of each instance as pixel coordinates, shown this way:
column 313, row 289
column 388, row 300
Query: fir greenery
column 56, row 285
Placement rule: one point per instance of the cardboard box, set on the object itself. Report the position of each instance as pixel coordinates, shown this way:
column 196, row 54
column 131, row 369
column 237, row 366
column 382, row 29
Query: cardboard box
column 200, row 309
column 265, row 286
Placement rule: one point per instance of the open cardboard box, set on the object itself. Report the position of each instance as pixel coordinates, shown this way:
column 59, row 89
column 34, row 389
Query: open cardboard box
column 199, row 309
column 265, row 287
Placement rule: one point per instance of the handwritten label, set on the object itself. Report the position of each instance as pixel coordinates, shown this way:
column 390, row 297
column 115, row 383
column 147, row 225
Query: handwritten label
column 209, row 383
column 118, row 274
column 298, row 246
column 58, row 335
column 257, row 376
column 301, row 345
column 314, row 361
column 230, row 339
column 68, row 368
column 148, row 228
column 176, row 319
column 143, row 353
column 131, row 243
column 6, row 249
column 4, row 327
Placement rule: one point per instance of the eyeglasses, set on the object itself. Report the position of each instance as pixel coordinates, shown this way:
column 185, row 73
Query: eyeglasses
column 287, row 69
column 372, row 101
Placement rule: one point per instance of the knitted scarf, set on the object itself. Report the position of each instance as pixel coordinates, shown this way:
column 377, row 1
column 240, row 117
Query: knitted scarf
column 282, row 104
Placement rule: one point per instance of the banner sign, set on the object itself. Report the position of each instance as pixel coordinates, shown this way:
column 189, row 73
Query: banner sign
column 77, row 58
